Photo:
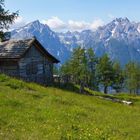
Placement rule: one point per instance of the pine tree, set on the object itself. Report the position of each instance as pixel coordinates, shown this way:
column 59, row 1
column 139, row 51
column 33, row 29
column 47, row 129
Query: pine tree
column 6, row 18
column 105, row 72
column 79, row 69
column 65, row 72
column 132, row 73
column 92, row 62
column 118, row 77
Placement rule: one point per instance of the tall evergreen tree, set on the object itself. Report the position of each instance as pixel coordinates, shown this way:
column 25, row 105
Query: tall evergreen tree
column 118, row 77
column 105, row 72
column 132, row 72
column 65, row 72
column 92, row 62
column 6, row 18
column 79, row 69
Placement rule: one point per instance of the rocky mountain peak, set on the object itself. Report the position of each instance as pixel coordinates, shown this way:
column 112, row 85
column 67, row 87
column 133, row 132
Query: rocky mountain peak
column 121, row 20
column 120, row 39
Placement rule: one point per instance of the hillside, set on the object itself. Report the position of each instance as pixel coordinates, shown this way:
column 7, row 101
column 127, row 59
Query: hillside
column 30, row 111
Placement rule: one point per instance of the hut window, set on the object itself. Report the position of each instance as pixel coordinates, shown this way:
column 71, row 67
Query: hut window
column 31, row 68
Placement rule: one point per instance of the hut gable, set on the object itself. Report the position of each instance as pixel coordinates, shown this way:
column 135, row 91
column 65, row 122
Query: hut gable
column 27, row 59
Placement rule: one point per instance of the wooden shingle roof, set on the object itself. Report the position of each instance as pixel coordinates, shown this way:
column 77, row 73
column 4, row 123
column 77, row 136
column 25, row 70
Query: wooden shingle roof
column 15, row 49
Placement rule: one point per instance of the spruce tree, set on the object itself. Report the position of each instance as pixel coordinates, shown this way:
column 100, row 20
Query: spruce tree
column 132, row 73
column 92, row 62
column 79, row 69
column 105, row 72
column 65, row 72
column 118, row 83
column 6, row 18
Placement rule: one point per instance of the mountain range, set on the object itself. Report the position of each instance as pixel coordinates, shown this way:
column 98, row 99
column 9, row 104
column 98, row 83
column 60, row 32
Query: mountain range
column 48, row 38
column 120, row 39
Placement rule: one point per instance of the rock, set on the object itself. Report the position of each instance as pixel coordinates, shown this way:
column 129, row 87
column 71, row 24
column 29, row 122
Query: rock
column 127, row 102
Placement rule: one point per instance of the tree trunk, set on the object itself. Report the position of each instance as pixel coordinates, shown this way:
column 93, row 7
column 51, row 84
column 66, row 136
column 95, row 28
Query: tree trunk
column 81, row 87
column 117, row 90
column 137, row 91
column 105, row 89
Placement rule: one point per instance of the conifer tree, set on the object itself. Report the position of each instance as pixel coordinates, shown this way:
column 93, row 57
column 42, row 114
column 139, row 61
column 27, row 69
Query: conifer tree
column 79, row 69
column 6, row 18
column 132, row 73
column 92, row 62
column 105, row 72
column 65, row 72
column 118, row 77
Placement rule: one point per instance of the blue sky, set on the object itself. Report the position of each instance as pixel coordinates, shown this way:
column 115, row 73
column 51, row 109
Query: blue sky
column 74, row 12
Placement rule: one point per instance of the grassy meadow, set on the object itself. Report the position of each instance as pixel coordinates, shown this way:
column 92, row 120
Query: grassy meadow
column 32, row 112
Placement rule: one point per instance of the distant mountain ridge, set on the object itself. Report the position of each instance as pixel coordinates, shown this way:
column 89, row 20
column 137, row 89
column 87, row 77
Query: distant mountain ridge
column 46, row 36
column 120, row 39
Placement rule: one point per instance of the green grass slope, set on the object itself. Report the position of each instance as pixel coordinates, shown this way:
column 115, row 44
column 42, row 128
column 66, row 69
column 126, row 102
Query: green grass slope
column 32, row 112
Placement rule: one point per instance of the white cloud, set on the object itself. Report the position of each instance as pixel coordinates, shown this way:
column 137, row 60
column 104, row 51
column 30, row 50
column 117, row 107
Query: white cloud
column 59, row 25
column 19, row 22
column 82, row 25
column 96, row 23
column 77, row 25
column 55, row 23
column 111, row 16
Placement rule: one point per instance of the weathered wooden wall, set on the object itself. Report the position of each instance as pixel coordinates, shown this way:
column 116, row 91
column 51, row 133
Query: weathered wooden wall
column 9, row 67
column 35, row 67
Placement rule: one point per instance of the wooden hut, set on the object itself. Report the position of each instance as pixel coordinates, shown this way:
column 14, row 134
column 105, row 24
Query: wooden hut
column 28, row 60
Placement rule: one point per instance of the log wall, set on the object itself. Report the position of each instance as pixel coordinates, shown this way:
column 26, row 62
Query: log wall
column 35, row 67
column 32, row 67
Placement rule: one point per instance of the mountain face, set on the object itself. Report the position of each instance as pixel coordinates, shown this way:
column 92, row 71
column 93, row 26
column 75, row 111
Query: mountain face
column 120, row 39
column 46, row 36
